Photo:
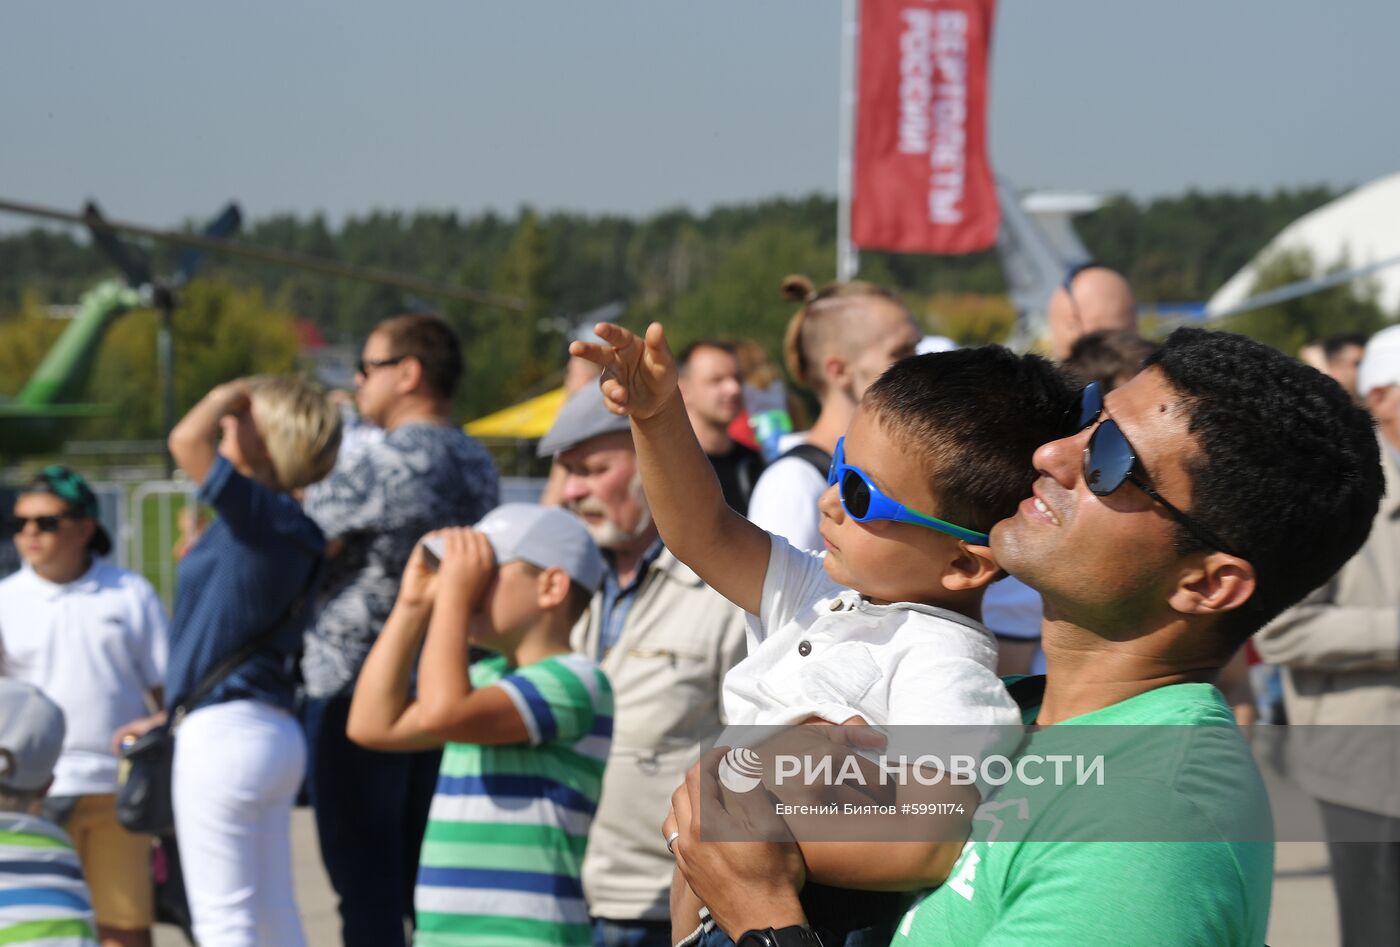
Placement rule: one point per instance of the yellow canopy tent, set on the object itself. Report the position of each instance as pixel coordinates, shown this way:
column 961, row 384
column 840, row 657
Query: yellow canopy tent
column 523, row 421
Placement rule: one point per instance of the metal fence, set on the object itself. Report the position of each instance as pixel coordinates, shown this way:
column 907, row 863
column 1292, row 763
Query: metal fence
column 143, row 520
column 153, row 530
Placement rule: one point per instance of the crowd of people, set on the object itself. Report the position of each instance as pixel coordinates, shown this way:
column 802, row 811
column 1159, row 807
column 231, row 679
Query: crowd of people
column 497, row 711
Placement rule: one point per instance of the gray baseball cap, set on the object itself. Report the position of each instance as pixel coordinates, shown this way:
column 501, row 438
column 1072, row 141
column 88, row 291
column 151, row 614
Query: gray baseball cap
column 31, row 736
column 583, row 417
column 544, row 536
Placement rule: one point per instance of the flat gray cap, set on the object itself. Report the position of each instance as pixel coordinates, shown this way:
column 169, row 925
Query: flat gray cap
column 583, row 417
column 544, row 536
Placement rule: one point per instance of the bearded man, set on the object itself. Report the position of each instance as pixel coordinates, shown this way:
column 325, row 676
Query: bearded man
column 665, row 640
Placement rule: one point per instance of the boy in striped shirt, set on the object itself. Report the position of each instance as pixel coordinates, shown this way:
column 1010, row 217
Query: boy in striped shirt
column 526, row 731
column 43, row 898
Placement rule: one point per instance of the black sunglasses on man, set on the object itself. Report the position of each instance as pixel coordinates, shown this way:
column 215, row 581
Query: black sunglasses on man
column 1109, row 461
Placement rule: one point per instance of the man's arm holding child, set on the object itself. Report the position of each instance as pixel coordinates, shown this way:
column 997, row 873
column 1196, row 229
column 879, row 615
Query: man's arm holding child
column 881, row 863
column 448, row 706
column 639, row 380
column 886, row 865
column 382, row 715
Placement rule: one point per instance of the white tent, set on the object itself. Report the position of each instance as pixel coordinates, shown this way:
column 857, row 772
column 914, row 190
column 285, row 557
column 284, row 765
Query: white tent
column 1357, row 229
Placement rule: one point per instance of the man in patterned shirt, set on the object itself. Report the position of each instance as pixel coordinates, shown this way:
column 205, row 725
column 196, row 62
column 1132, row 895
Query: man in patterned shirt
column 527, row 731
column 371, row 808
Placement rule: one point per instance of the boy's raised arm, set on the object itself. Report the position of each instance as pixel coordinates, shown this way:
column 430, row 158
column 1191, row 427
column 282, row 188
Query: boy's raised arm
column 639, row 380
column 382, row 715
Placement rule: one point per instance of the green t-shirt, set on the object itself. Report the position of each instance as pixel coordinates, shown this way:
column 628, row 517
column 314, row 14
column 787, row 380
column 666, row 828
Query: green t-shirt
column 503, row 852
column 1189, row 777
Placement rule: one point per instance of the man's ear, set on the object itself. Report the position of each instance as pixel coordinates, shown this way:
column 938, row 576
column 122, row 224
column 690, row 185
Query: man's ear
column 552, row 587
column 1218, row 582
column 410, row 375
column 836, row 371
column 1375, row 398
column 974, row 567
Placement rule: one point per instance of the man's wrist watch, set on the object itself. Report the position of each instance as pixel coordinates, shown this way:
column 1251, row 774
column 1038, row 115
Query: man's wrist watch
column 798, row 935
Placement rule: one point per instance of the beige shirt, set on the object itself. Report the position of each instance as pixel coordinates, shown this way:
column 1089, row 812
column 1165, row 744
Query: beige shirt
column 679, row 639
column 1341, row 650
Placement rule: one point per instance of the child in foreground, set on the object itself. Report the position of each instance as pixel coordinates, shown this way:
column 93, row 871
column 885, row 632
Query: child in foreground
column 527, row 731
column 883, row 628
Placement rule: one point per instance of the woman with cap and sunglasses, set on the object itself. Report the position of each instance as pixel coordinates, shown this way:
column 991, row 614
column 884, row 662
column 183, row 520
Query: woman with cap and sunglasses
column 242, row 590
column 93, row 637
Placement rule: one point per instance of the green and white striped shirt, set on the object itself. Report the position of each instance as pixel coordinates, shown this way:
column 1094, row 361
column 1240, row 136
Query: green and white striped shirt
column 43, row 899
column 503, row 853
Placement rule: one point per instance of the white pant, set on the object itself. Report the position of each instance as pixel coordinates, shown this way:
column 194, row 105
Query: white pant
column 236, row 772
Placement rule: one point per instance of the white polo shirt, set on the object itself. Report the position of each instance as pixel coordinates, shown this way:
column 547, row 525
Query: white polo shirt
column 95, row 646
column 819, row 649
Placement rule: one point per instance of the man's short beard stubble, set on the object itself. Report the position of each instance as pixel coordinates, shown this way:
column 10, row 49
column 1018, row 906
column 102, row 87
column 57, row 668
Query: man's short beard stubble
column 608, row 534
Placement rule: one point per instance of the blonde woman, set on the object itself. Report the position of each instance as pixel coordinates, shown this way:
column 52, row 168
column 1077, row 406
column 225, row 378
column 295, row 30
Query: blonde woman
column 841, row 339
column 239, row 752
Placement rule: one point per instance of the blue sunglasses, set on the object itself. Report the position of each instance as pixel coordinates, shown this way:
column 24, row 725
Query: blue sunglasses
column 864, row 502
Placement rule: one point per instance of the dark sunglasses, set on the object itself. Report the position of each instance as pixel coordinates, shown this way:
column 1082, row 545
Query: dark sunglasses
column 365, row 365
column 1109, row 461
column 864, row 502
column 46, row 524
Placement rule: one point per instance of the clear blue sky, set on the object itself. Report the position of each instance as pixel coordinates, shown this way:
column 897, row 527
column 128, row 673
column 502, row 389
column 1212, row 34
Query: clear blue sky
column 162, row 110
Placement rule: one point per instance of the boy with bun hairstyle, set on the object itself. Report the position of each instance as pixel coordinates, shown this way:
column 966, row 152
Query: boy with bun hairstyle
column 883, row 628
column 526, row 732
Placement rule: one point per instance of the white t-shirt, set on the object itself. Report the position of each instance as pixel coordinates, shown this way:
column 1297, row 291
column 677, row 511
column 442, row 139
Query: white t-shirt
column 95, row 646
column 784, row 501
column 818, row 649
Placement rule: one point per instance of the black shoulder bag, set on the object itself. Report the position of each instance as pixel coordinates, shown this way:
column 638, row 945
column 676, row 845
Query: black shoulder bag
column 143, row 791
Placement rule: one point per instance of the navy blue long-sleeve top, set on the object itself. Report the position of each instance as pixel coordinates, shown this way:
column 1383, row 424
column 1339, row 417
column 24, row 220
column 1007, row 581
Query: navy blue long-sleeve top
column 238, row 580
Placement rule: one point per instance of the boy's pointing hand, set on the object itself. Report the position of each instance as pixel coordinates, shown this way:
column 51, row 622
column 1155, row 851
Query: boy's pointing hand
column 639, row 374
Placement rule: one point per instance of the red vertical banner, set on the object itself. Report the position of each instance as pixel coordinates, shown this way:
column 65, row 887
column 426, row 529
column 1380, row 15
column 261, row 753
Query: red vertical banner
column 922, row 179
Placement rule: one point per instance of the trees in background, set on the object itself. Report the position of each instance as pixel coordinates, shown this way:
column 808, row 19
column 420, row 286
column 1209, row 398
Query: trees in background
column 707, row 274
column 1290, row 325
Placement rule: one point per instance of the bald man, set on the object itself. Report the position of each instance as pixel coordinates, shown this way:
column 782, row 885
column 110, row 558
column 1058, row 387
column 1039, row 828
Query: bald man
column 1092, row 297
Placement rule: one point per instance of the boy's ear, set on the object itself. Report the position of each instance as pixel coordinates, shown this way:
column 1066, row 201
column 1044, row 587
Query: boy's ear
column 974, row 567
column 552, row 588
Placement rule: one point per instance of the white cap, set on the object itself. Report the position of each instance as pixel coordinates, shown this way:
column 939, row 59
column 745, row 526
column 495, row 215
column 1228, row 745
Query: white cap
column 31, row 736
column 935, row 343
column 1380, row 366
column 544, row 536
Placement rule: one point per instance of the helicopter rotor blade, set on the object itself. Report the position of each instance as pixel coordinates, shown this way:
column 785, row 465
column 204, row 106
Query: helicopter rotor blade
column 220, row 228
column 133, row 264
column 403, row 281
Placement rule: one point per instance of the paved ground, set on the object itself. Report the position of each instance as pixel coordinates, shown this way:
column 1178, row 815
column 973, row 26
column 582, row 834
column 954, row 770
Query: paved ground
column 1304, row 909
column 314, row 895
column 1304, row 914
